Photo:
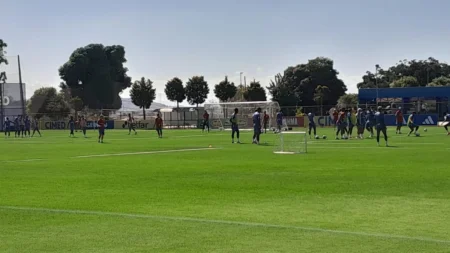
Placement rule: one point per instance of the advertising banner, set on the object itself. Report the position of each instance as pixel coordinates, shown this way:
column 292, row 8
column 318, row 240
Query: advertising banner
column 292, row 121
column 421, row 120
column 139, row 124
column 59, row 125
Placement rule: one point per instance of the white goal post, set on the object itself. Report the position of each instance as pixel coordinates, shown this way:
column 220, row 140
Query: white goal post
column 291, row 143
column 220, row 114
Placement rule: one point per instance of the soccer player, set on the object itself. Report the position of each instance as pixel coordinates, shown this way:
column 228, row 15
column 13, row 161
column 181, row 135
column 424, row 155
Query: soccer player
column 7, row 125
column 360, row 123
column 335, row 117
column 35, row 124
column 340, row 124
column 234, row 126
column 312, row 124
column 101, row 129
column 412, row 126
column 265, row 121
column 381, row 125
column 131, row 124
column 256, row 126
column 27, row 123
column 71, row 126
column 205, row 121
column 279, row 120
column 369, row 122
column 22, row 125
column 16, row 127
column 83, row 124
column 399, row 120
column 159, row 125
column 447, row 122
column 351, row 122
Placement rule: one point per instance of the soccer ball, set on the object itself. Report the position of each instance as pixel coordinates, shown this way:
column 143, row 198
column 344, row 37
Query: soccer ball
column 417, row 135
column 317, row 137
column 344, row 137
column 324, row 137
column 425, row 129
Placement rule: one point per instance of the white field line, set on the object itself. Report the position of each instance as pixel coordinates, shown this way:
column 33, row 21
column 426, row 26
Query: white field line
column 145, row 153
column 225, row 222
column 120, row 154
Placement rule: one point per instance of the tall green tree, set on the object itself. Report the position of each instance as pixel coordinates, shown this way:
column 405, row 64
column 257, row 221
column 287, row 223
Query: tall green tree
column 225, row 90
column 347, row 100
column 302, row 80
column 143, row 94
column 3, row 59
column 320, row 95
column 406, row 81
column 175, row 91
column 197, row 90
column 284, row 94
column 440, row 81
column 48, row 102
column 97, row 75
column 255, row 92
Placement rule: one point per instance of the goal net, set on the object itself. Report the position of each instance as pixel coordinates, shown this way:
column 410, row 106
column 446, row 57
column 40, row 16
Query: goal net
column 220, row 114
column 291, row 143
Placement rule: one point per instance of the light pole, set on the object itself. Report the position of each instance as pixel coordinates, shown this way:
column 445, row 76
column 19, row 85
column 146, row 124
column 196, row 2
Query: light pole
column 376, row 80
column 240, row 76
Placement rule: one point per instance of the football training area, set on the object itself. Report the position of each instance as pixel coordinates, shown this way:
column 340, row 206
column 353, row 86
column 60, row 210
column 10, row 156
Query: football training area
column 195, row 192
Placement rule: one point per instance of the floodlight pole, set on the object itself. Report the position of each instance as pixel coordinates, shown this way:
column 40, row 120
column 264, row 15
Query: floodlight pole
column 22, row 96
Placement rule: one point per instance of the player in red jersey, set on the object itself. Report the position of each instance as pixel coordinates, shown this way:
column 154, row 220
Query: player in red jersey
column 101, row 129
column 335, row 117
column 159, row 125
column 265, row 121
column 399, row 120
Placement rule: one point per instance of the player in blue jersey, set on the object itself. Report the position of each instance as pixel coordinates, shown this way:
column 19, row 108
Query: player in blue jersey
column 381, row 125
column 279, row 120
column 35, row 125
column 27, row 123
column 256, row 126
column 16, row 127
column 22, row 125
column 412, row 126
column 234, row 126
column 447, row 122
column 312, row 124
column 6, row 127
column 369, row 121
column 71, row 126
column 360, row 123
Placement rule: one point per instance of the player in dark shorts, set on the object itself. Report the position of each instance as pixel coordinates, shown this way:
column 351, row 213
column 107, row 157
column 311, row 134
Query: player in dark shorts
column 447, row 122
column 72, row 126
column 6, row 127
column 256, row 126
column 360, row 123
column 27, row 123
column 279, row 120
column 369, row 122
column 22, row 126
column 17, row 127
column 412, row 126
column 311, row 125
column 83, row 124
column 381, row 125
column 265, row 121
column 159, row 125
column 35, row 125
column 205, row 121
column 101, row 129
column 234, row 126
column 131, row 124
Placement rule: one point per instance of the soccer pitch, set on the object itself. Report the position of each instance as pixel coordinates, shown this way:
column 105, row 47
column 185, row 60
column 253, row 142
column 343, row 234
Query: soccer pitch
column 139, row 193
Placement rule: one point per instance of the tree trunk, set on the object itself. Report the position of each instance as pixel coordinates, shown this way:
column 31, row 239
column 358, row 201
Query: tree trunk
column 143, row 111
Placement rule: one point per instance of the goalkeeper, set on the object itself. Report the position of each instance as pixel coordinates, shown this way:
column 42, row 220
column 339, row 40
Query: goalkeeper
column 234, row 126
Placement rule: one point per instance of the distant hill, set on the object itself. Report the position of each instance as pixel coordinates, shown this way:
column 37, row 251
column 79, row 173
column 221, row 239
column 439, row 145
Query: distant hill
column 128, row 106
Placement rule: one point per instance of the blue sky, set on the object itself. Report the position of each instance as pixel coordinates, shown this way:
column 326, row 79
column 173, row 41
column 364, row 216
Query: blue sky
column 215, row 38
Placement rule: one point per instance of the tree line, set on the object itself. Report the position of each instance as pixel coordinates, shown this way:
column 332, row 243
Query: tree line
column 94, row 77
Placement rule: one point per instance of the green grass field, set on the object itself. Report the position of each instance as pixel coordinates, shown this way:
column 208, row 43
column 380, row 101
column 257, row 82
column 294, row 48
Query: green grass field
column 60, row 194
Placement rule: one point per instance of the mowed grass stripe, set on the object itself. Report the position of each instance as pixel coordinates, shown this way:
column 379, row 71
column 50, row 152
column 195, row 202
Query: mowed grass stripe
column 224, row 222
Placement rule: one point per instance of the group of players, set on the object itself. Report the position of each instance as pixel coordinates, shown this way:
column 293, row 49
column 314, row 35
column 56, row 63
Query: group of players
column 21, row 126
column 345, row 120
